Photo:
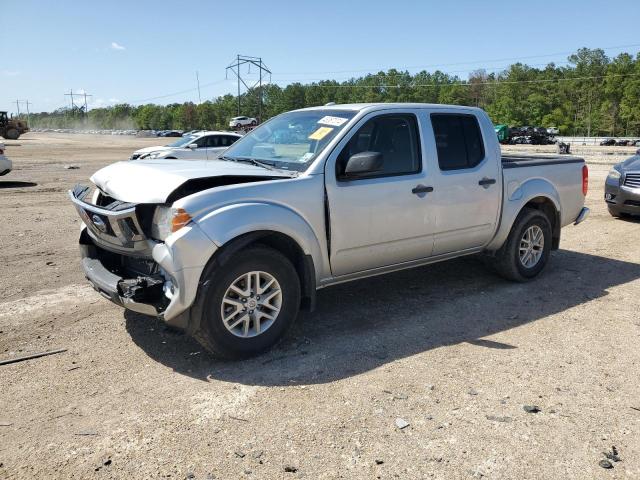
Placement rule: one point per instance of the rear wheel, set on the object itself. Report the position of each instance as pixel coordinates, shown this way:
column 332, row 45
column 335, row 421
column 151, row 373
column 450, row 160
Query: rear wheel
column 254, row 122
column 527, row 249
column 248, row 304
column 12, row 134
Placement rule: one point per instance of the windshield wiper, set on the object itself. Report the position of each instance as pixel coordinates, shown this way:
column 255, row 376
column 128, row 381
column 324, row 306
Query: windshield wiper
column 257, row 163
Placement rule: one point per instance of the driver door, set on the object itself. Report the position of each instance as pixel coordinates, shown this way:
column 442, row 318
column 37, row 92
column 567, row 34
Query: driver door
column 385, row 218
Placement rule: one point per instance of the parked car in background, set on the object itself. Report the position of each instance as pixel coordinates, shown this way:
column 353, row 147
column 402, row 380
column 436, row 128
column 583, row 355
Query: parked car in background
column 553, row 130
column 203, row 145
column 237, row 122
column 231, row 250
column 622, row 143
column 608, row 142
column 5, row 163
column 171, row 133
column 622, row 188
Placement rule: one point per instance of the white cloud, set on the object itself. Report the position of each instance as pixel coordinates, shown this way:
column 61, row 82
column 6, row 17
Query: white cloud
column 117, row 46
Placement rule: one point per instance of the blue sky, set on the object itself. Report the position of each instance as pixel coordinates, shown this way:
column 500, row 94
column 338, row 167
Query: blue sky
column 128, row 51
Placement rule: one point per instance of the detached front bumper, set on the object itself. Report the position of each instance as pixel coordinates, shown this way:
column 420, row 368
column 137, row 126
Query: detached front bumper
column 622, row 199
column 165, row 288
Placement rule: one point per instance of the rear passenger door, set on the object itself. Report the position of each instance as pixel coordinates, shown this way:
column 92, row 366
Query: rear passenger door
column 467, row 193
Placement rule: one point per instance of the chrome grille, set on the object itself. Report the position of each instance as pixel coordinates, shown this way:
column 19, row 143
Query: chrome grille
column 117, row 229
column 632, row 180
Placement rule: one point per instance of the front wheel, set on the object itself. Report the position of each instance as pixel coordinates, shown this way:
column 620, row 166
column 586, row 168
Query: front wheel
column 527, row 249
column 248, row 303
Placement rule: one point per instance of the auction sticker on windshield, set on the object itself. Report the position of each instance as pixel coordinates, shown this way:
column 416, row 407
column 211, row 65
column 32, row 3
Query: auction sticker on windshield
column 333, row 121
column 320, row 133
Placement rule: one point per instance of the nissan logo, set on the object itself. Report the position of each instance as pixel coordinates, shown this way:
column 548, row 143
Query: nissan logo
column 99, row 223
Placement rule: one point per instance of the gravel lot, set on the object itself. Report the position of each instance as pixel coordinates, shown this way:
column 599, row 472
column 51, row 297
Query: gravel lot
column 450, row 349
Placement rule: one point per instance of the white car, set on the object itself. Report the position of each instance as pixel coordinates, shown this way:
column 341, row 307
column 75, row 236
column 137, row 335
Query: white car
column 243, row 122
column 5, row 163
column 200, row 146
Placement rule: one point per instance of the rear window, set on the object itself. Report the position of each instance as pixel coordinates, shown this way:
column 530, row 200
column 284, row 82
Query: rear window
column 458, row 140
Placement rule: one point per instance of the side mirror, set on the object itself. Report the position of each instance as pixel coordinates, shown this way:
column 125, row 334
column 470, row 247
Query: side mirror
column 363, row 164
column 192, row 146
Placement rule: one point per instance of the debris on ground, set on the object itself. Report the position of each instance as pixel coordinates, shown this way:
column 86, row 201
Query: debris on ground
column 531, row 408
column 290, row 469
column 379, row 461
column 605, row 464
column 396, row 396
column 71, row 167
column 613, row 454
column 401, row 423
column 494, row 418
column 33, row 355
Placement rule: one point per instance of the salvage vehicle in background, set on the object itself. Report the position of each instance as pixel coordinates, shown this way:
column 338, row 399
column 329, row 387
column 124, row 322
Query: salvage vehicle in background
column 5, row 163
column 622, row 188
column 239, row 122
column 202, row 145
column 608, row 142
column 230, row 250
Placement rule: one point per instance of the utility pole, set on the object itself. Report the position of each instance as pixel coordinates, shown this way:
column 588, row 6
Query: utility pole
column 70, row 94
column 198, row 81
column 234, row 67
column 85, row 102
column 18, row 106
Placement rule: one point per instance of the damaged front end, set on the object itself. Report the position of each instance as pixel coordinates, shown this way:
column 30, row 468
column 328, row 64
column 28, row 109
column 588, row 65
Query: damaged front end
column 117, row 255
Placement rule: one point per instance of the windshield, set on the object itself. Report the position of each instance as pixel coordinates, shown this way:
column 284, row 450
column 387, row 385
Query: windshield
column 292, row 140
column 182, row 142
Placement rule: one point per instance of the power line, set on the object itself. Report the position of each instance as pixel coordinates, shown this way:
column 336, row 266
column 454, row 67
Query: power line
column 457, row 63
column 465, row 84
column 189, row 90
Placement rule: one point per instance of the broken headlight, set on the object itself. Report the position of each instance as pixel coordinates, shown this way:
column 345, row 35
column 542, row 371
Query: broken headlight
column 167, row 220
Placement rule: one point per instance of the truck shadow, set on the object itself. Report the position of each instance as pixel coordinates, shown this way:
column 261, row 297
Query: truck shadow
column 362, row 325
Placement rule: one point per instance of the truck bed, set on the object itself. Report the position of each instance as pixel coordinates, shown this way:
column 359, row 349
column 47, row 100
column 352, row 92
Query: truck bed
column 517, row 161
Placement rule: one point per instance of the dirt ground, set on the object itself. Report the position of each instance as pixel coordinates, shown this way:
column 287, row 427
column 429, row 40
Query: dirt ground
column 450, row 349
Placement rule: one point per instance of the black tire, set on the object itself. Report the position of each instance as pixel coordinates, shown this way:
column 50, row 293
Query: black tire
column 507, row 261
column 254, row 123
column 212, row 333
column 12, row 134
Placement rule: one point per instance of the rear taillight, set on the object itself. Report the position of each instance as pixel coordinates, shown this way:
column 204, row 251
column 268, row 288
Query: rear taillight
column 585, row 180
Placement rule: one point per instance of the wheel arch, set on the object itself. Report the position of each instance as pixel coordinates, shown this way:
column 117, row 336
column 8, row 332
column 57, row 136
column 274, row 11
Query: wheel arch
column 286, row 245
column 536, row 193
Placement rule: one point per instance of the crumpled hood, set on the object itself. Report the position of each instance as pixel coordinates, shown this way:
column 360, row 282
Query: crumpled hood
column 152, row 181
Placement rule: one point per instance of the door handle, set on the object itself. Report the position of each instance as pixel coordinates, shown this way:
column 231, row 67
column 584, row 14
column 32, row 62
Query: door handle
column 421, row 189
column 485, row 182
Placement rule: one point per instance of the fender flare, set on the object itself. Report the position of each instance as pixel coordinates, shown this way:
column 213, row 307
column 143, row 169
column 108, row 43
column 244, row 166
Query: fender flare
column 232, row 221
column 517, row 195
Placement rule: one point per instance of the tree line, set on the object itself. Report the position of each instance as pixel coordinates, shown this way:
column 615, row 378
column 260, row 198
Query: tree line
column 592, row 95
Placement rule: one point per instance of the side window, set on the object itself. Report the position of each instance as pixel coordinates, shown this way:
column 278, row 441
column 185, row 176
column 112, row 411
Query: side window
column 227, row 141
column 213, row 141
column 458, row 140
column 201, row 142
column 395, row 136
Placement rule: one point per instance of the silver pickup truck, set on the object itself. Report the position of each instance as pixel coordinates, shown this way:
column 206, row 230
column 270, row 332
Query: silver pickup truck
column 230, row 249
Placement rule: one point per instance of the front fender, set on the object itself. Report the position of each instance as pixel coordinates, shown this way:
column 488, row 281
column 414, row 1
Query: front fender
column 517, row 195
column 229, row 222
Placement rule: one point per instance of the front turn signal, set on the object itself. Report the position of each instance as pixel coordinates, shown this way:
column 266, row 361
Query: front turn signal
column 179, row 219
